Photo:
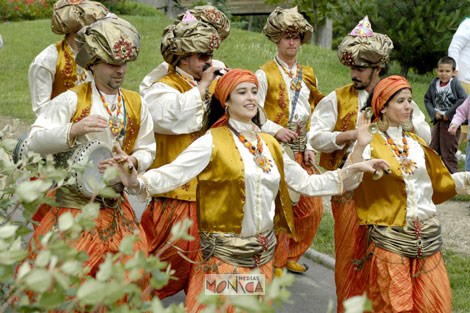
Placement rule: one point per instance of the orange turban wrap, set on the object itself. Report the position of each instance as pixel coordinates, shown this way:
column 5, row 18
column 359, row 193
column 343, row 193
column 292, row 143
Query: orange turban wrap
column 384, row 90
column 226, row 84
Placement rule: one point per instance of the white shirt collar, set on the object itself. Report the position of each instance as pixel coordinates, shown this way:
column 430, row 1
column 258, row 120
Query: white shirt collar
column 278, row 60
column 242, row 127
column 183, row 73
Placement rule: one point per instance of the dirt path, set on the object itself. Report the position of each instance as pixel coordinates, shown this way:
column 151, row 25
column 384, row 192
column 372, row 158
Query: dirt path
column 455, row 221
column 454, row 215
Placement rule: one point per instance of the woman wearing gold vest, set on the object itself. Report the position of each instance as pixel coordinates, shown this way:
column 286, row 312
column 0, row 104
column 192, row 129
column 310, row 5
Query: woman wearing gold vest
column 243, row 175
column 403, row 259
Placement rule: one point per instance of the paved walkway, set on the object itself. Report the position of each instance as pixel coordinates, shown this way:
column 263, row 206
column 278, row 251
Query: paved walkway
column 312, row 292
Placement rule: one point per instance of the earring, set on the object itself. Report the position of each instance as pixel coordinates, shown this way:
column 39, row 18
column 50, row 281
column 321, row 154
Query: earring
column 408, row 126
column 382, row 124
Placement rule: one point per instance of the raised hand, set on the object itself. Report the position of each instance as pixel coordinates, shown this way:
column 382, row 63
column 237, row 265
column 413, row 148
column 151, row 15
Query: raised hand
column 364, row 135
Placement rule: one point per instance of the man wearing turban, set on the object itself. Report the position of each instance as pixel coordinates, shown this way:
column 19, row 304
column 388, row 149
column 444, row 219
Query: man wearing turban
column 99, row 110
column 333, row 129
column 288, row 92
column 204, row 13
column 54, row 70
column 177, row 102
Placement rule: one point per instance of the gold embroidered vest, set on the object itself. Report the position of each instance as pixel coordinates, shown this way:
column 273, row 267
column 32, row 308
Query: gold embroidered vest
column 347, row 101
column 276, row 103
column 170, row 146
column 221, row 188
column 383, row 201
column 132, row 106
column 66, row 69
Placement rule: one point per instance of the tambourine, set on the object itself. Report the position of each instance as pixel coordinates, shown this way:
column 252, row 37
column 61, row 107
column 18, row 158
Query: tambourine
column 89, row 154
column 21, row 149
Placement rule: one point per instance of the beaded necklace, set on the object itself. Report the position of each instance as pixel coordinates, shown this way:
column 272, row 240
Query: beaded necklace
column 408, row 166
column 116, row 125
column 296, row 81
column 261, row 161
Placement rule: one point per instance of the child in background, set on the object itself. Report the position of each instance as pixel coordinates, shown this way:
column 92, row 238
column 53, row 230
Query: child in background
column 461, row 115
column 443, row 97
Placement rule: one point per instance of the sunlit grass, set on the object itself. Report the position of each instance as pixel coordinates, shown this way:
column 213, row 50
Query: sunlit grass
column 24, row 40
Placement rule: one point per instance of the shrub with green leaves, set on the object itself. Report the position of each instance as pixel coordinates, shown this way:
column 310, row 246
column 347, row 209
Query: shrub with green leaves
column 55, row 278
column 16, row 10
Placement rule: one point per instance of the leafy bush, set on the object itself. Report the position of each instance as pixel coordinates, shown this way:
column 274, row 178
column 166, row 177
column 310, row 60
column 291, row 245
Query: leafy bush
column 55, row 278
column 125, row 7
column 16, row 10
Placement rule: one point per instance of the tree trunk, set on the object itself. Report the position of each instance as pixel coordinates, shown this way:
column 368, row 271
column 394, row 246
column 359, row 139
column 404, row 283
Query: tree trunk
column 250, row 23
column 404, row 70
column 325, row 34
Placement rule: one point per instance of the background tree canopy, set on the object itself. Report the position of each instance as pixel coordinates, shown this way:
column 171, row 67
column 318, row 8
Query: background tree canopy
column 421, row 30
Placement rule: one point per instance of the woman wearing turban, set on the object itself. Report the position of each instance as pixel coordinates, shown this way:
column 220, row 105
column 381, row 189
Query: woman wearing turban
column 243, row 175
column 403, row 259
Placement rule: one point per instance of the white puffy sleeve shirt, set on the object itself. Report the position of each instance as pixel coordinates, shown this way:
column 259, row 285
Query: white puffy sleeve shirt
column 261, row 187
column 41, row 77
column 49, row 133
column 418, row 186
column 173, row 112
column 459, row 49
column 321, row 134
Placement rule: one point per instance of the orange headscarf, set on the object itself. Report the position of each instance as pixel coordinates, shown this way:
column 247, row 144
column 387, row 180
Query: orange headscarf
column 384, row 90
column 226, row 84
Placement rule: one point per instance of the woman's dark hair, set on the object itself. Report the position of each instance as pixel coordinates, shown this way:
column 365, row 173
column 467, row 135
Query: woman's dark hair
column 384, row 69
column 215, row 111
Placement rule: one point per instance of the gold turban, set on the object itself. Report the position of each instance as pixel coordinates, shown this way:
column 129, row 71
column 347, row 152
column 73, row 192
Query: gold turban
column 111, row 40
column 364, row 48
column 287, row 21
column 188, row 37
column 70, row 16
column 212, row 16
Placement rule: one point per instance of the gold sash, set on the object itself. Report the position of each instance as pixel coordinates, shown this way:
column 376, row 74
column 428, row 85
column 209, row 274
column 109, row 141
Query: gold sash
column 405, row 241
column 249, row 252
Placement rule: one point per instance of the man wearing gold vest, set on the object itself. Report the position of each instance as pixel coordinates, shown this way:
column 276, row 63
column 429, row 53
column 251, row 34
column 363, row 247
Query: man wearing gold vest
column 333, row 129
column 288, row 92
column 54, row 70
column 99, row 110
column 177, row 103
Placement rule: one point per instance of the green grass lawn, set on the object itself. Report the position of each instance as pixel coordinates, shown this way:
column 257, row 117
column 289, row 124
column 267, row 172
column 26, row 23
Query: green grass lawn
column 24, row 40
